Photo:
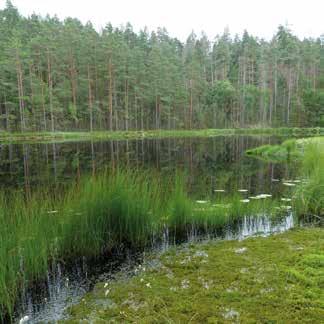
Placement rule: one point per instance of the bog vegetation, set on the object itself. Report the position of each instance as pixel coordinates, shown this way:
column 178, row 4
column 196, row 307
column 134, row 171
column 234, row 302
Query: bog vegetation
column 98, row 215
column 63, row 75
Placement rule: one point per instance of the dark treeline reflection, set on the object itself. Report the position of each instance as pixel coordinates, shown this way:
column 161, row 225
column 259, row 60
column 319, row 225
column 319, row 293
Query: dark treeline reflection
column 209, row 163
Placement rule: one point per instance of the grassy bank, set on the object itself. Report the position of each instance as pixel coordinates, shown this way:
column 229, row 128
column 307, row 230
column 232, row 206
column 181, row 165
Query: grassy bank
column 99, row 214
column 309, row 153
column 6, row 137
column 289, row 149
column 278, row 279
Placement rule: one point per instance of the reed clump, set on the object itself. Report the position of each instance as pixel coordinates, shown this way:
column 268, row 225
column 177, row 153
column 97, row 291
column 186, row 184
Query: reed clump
column 96, row 215
column 310, row 194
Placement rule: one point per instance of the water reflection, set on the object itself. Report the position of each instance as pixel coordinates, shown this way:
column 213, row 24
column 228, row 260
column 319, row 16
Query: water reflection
column 210, row 163
column 65, row 287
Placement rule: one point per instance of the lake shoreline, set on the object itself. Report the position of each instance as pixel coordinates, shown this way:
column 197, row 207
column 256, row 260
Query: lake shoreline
column 35, row 137
column 225, row 281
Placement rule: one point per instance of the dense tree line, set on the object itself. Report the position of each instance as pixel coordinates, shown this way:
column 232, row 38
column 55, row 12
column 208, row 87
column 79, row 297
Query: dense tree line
column 63, row 75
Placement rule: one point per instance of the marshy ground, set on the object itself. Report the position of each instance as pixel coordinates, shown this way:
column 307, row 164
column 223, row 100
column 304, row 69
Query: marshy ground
column 276, row 279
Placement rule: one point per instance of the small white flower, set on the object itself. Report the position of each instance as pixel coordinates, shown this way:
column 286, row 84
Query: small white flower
column 106, row 285
column 148, row 285
column 240, row 250
column 219, row 190
column 185, row 284
column 141, row 280
column 242, row 190
column 107, row 292
column 201, row 254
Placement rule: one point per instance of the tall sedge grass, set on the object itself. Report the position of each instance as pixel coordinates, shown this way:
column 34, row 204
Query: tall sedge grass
column 310, row 195
column 94, row 216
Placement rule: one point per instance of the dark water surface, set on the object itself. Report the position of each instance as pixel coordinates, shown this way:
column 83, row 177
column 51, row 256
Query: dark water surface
column 215, row 163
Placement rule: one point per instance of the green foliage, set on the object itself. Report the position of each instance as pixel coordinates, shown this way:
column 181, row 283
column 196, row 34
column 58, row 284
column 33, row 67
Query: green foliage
column 64, row 75
column 310, row 196
column 314, row 107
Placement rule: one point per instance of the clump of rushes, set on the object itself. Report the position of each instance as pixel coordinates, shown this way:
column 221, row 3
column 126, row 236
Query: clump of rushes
column 96, row 215
column 310, row 194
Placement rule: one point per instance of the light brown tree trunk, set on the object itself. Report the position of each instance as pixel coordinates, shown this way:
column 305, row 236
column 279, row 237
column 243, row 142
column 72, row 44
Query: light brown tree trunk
column 50, row 89
column 43, row 106
column 126, row 104
column 289, row 95
column 20, row 92
column 191, row 105
column 73, row 80
column 110, row 99
column 90, row 99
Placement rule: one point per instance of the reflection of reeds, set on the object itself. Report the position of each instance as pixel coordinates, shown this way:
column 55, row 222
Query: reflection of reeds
column 96, row 215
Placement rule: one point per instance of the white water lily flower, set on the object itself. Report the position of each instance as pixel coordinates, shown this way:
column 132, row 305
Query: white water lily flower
column 286, row 207
column 25, row 319
column 289, row 184
column 263, row 196
column 245, row 200
column 285, row 199
column 201, row 201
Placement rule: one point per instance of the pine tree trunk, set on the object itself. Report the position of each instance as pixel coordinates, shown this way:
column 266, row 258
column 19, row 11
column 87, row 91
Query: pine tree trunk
column 50, row 89
column 126, row 104
column 90, row 100
column 110, row 99
column 20, row 92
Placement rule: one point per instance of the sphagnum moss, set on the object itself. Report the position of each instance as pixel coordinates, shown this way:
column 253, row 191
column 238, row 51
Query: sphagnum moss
column 278, row 279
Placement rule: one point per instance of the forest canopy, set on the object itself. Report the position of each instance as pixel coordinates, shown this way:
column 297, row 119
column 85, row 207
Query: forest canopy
column 65, row 75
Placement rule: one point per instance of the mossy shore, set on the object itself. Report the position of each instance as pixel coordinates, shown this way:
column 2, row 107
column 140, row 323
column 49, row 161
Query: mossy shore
column 26, row 137
column 277, row 279
column 289, row 149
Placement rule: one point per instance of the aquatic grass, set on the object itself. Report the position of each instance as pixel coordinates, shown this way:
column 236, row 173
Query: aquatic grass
column 309, row 154
column 97, row 214
column 310, row 193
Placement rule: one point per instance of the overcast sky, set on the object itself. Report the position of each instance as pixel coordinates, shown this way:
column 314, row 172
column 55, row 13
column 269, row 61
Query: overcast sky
column 180, row 17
